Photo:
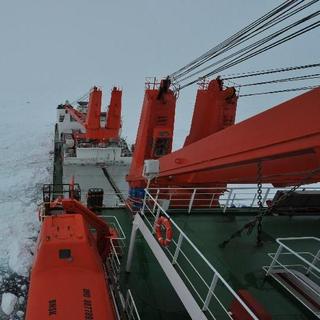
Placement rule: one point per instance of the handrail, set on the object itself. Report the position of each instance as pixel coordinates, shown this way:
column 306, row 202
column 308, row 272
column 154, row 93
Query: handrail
column 228, row 198
column 118, row 244
column 131, row 308
column 186, row 237
column 229, row 188
column 280, row 242
column 216, row 275
column 298, row 270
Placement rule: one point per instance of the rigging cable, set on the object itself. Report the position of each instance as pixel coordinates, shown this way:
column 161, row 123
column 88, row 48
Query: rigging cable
column 233, row 38
column 279, row 91
column 268, row 71
column 250, row 35
column 298, row 78
column 267, row 21
column 247, row 55
column 83, row 97
column 258, row 43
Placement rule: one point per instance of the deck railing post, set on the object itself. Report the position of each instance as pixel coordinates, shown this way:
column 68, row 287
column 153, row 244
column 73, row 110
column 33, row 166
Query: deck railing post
column 253, row 200
column 265, row 196
column 164, row 206
column 191, row 200
column 274, row 260
column 210, row 292
column 144, row 201
column 135, row 227
column 228, row 200
column 155, row 200
column 213, row 195
column 156, row 219
column 233, row 198
column 177, row 251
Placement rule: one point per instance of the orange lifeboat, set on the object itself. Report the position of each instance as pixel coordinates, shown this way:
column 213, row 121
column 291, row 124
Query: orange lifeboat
column 68, row 277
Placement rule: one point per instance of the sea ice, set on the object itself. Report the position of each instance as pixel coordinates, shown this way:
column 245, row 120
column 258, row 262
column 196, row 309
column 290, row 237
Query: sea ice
column 26, row 134
column 8, row 302
column 20, row 257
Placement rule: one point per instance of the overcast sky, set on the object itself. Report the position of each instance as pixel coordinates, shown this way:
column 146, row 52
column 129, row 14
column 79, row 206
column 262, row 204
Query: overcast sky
column 53, row 50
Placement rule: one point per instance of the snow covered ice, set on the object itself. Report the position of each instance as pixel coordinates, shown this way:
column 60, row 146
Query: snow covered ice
column 8, row 302
column 26, row 133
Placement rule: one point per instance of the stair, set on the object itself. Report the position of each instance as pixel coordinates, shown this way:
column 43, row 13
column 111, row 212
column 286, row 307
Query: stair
column 301, row 287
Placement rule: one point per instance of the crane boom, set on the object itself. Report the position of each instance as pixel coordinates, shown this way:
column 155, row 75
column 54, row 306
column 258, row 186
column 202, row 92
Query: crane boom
column 285, row 138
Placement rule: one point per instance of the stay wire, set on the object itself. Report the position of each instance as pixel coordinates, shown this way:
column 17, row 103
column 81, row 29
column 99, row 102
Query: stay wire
column 83, row 97
column 268, row 26
column 248, row 56
column 298, row 78
column 268, row 71
column 229, row 40
column 219, row 51
column 279, row 91
column 280, row 41
column 254, row 45
column 249, row 35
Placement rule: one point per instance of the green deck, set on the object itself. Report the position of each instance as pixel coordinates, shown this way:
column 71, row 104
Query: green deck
column 240, row 263
column 153, row 294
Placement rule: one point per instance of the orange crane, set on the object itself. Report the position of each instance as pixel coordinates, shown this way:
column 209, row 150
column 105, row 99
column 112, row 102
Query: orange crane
column 91, row 122
column 284, row 139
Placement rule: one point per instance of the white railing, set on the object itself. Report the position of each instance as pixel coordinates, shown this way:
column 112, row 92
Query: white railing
column 217, row 198
column 298, row 257
column 212, row 292
column 117, row 246
column 128, row 306
column 299, row 248
column 190, row 199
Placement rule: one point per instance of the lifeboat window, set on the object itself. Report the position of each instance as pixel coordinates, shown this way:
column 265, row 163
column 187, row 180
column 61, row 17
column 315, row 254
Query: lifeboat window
column 64, row 253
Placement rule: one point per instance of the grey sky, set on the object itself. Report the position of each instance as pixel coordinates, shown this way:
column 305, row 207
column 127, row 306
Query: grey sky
column 56, row 50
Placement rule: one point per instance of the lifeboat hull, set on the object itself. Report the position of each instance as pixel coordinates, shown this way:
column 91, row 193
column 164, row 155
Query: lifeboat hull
column 68, row 277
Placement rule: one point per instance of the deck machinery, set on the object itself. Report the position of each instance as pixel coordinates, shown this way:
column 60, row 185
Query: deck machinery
column 284, row 138
column 91, row 120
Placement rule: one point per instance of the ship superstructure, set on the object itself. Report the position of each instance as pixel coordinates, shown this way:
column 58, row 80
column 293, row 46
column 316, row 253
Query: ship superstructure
column 87, row 141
